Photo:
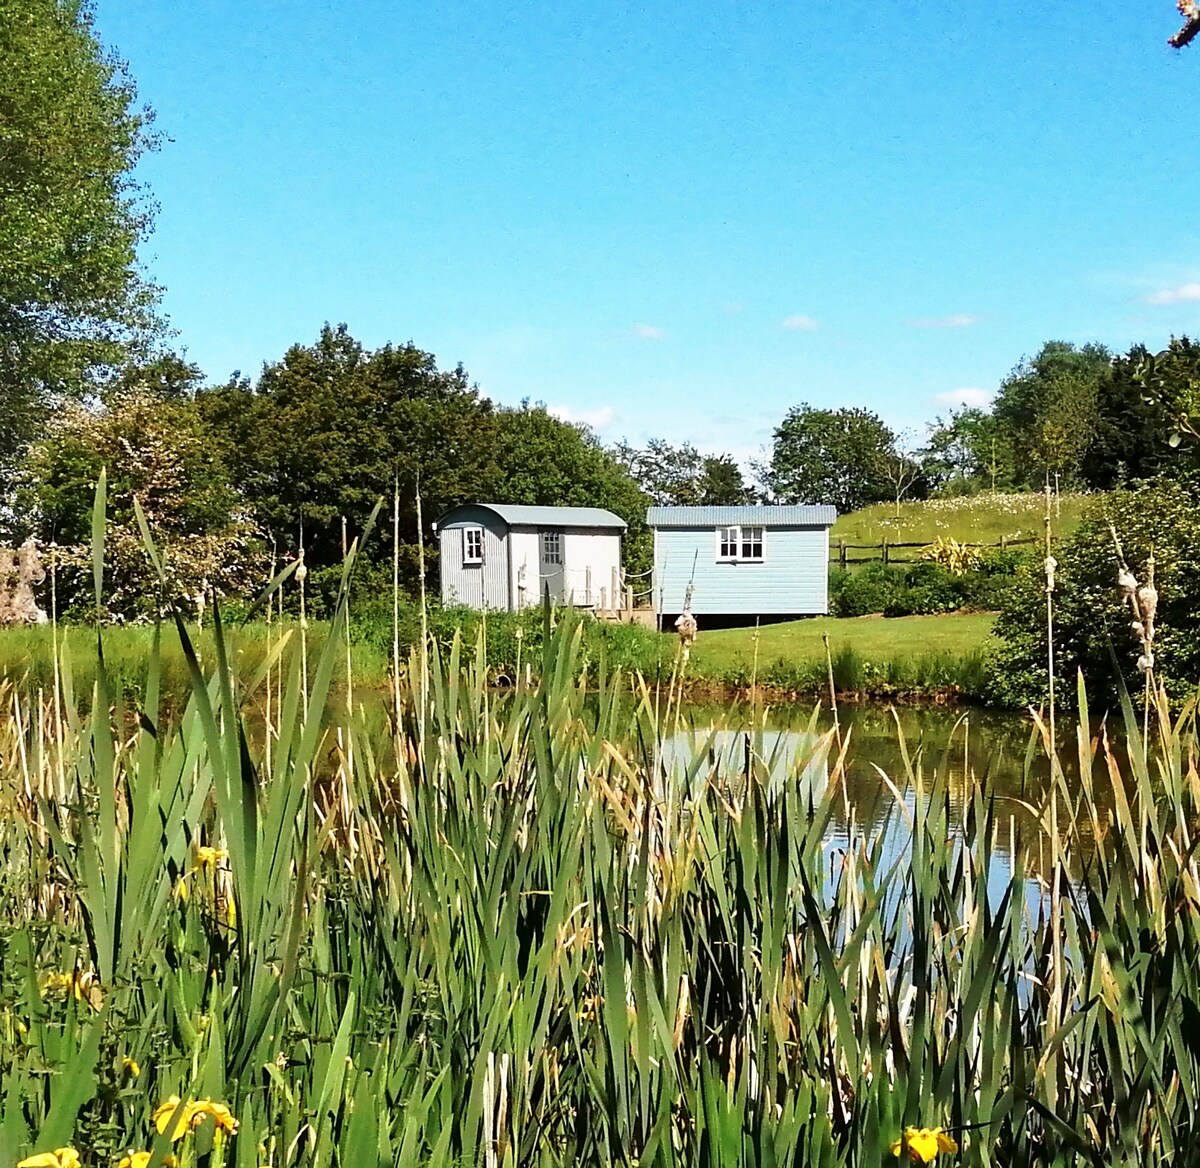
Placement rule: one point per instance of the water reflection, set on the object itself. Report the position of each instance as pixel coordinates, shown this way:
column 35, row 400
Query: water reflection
column 896, row 760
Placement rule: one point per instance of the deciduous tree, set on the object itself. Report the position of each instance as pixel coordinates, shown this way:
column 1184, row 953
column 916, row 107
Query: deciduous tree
column 830, row 456
column 680, row 476
column 73, row 301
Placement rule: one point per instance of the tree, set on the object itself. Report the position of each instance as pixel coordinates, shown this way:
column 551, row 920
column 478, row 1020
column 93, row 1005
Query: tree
column 964, row 452
column 830, row 456
column 1131, row 438
column 1190, row 11
column 1047, row 410
column 73, row 301
column 161, row 454
column 544, row 461
column 680, row 476
column 904, row 471
column 1170, row 385
column 329, row 428
column 1092, row 624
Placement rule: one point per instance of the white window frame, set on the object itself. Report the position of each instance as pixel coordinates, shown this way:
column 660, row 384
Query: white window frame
column 732, row 541
column 551, row 548
column 472, row 558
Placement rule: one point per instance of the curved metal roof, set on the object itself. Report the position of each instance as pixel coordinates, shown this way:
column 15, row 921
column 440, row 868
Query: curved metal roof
column 519, row 515
column 789, row 515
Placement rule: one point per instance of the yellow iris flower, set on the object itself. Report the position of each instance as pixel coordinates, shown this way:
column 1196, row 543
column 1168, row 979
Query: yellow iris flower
column 141, row 1159
column 59, row 1158
column 207, row 857
column 82, row 984
column 191, row 1114
column 922, row 1144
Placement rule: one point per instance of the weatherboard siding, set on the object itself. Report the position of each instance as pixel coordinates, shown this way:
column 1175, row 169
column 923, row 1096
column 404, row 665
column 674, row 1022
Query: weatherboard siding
column 793, row 577
column 483, row 585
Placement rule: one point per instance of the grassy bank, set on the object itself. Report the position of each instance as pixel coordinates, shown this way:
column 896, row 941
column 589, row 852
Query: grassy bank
column 884, row 657
column 497, row 933
column 871, row 655
column 985, row 518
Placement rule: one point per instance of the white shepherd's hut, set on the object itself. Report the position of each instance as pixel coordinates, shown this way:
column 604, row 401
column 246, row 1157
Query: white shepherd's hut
column 507, row 556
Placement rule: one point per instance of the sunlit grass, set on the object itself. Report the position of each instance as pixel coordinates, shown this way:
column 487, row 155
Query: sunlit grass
column 985, row 518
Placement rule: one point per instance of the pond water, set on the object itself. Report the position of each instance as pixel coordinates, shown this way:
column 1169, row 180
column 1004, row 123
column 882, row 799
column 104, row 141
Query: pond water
column 958, row 751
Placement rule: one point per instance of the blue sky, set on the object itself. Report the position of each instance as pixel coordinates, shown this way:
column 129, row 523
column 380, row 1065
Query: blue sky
column 673, row 220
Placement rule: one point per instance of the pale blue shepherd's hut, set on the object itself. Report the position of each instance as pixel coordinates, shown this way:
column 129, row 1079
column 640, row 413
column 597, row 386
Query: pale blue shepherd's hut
column 742, row 561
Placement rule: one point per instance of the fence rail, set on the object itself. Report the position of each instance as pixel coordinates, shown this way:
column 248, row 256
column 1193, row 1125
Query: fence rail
column 885, row 550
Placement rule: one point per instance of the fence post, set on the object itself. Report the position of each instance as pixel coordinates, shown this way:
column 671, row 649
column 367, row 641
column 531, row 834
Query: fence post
column 885, row 551
column 1003, row 542
column 841, row 553
column 587, row 584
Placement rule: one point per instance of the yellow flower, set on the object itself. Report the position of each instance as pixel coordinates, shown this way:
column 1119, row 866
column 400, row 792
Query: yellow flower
column 220, row 1113
column 82, row 984
column 130, row 1067
column 59, row 1158
column 181, row 891
column 192, row 1114
column 922, row 1144
column 141, row 1159
column 209, row 858
column 165, row 1110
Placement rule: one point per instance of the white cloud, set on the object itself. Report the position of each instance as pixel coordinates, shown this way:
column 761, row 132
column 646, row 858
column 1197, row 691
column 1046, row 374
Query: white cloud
column 958, row 320
column 598, row 419
column 649, row 332
column 799, row 323
column 1178, row 295
column 980, row 398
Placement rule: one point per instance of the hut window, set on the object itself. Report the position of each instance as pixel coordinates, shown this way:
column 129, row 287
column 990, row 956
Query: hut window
column 472, row 545
column 739, row 545
column 552, row 547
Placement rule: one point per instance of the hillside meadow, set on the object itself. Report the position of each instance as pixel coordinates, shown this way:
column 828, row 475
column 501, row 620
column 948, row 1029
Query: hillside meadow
column 984, row 518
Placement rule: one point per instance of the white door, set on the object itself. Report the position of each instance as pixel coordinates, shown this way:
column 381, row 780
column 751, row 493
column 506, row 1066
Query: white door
column 551, row 563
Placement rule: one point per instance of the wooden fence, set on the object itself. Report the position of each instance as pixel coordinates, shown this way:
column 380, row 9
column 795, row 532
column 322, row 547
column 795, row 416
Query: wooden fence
column 885, row 552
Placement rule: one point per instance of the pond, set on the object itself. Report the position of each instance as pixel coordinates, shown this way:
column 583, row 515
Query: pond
column 892, row 759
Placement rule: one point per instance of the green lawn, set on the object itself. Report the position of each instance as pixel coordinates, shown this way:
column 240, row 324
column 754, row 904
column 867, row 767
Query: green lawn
column 982, row 518
column 872, row 638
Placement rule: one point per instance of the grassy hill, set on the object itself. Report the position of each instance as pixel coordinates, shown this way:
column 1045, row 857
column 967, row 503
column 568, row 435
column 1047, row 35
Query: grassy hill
column 984, row 518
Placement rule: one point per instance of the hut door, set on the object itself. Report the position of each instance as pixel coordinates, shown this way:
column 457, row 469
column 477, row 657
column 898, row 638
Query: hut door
column 552, row 572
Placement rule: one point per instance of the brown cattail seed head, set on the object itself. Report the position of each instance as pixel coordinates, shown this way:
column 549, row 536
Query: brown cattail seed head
column 1145, row 662
column 1126, row 581
column 1147, row 596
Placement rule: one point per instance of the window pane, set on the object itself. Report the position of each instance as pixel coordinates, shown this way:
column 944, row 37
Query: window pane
column 752, row 543
column 552, row 547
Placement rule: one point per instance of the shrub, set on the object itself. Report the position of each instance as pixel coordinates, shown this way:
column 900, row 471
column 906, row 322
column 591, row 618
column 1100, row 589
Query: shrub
column 870, row 589
column 1092, row 627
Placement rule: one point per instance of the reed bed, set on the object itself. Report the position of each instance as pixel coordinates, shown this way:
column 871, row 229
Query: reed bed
column 501, row 929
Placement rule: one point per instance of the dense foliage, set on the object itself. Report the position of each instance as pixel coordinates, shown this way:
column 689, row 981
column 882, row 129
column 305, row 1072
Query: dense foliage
column 72, row 298
column 1092, row 626
column 921, row 589
column 158, row 452
column 477, row 933
column 846, row 457
column 332, row 428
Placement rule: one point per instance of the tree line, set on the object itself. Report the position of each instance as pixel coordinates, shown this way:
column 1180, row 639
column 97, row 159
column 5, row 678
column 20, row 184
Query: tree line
column 235, row 475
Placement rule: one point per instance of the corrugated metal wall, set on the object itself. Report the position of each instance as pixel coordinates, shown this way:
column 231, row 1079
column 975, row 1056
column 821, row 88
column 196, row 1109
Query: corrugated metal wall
column 793, row 577
column 483, row 585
